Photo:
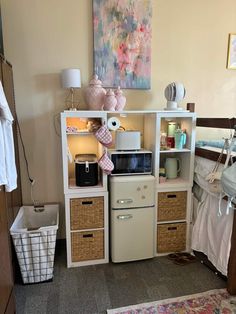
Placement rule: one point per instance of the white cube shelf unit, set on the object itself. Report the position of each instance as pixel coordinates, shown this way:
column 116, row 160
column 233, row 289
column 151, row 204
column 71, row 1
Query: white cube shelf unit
column 80, row 141
column 173, row 197
column 86, row 228
column 158, row 124
column 86, row 207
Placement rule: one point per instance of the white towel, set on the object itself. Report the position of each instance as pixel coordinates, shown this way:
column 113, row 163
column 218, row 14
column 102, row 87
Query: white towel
column 3, row 174
column 8, row 174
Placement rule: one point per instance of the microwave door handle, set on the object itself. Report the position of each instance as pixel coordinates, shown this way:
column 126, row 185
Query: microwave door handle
column 124, row 217
column 125, row 201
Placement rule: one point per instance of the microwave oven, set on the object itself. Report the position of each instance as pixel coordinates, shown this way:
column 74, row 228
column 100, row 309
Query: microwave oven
column 131, row 162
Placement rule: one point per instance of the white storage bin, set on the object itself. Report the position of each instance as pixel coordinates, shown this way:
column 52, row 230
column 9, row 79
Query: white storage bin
column 34, row 236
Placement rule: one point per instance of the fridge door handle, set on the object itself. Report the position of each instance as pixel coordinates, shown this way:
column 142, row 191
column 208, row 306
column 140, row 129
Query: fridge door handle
column 124, row 217
column 125, row 201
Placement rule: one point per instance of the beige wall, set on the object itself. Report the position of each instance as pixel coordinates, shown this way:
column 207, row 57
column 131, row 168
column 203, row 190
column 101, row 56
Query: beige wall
column 41, row 37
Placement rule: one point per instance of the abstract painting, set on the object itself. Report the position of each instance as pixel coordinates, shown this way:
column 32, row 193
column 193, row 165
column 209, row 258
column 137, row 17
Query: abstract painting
column 122, row 42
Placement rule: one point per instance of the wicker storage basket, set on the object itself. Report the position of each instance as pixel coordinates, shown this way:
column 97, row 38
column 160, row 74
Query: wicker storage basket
column 87, row 245
column 171, row 206
column 171, row 237
column 87, row 213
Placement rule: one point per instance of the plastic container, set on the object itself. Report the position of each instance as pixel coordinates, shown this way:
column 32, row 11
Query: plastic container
column 34, row 236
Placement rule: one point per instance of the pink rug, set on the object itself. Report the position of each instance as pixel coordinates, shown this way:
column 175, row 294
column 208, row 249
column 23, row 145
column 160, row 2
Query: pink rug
column 209, row 302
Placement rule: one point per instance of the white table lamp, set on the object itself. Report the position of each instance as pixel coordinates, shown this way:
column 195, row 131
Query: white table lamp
column 70, row 78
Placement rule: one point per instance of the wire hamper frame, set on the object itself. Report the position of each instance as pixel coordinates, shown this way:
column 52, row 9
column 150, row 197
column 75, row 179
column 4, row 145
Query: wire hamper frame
column 35, row 247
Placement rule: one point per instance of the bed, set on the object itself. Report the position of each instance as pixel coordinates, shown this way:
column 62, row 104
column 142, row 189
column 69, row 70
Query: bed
column 213, row 236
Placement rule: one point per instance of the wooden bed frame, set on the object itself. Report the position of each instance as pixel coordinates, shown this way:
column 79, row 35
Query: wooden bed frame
column 222, row 123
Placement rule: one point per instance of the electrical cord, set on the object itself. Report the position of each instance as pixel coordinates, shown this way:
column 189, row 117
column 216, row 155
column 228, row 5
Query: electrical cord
column 31, row 180
column 55, row 122
column 23, row 148
column 32, row 195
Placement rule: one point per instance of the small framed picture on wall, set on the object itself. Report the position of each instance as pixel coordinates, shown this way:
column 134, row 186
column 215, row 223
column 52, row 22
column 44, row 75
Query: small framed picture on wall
column 231, row 60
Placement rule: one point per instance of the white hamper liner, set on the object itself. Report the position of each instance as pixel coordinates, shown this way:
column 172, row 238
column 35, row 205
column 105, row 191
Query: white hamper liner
column 34, row 234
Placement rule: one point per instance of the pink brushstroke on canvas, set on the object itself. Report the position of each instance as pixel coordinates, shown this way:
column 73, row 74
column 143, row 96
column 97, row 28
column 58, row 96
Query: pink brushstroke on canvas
column 122, row 42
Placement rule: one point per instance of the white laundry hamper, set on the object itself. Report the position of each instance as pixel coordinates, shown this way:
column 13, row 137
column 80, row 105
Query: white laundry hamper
column 34, row 232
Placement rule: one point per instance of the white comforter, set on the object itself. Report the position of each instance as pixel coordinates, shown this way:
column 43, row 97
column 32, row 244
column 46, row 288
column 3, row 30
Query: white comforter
column 211, row 233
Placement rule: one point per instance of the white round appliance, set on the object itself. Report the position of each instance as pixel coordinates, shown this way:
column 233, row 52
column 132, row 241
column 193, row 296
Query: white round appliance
column 174, row 93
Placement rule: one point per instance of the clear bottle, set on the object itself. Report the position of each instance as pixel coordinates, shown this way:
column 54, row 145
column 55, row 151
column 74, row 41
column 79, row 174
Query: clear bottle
column 163, row 140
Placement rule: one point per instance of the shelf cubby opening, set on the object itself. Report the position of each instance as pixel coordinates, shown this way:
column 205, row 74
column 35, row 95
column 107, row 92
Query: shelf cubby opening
column 184, row 123
column 81, row 125
column 134, row 122
column 83, row 145
column 184, row 165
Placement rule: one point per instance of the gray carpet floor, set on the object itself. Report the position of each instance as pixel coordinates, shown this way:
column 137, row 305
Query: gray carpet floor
column 94, row 289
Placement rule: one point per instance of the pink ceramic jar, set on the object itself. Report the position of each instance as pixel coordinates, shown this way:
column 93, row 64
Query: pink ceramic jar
column 94, row 94
column 121, row 99
column 110, row 101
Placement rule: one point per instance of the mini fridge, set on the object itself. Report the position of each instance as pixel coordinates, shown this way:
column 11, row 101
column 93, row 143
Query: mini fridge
column 132, row 214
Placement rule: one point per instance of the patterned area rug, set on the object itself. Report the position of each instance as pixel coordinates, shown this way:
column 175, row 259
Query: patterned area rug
column 209, row 302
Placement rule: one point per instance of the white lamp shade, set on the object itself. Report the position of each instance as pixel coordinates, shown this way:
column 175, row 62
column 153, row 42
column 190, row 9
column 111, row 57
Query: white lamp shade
column 70, row 78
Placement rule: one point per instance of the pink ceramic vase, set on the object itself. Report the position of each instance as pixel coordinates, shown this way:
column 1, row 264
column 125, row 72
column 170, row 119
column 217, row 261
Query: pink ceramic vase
column 121, row 99
column 110, row 101
column 94, row 94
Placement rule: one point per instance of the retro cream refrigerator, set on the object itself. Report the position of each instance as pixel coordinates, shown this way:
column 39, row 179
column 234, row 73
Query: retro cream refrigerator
column 132, row 210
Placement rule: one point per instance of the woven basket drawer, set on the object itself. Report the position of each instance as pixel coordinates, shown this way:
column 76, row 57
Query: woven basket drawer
column 87, row 213
column 171, row 237
column 87, row 245
column 171, row 206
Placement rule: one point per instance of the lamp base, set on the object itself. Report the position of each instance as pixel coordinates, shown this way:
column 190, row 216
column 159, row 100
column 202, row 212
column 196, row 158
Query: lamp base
column 72, row 105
